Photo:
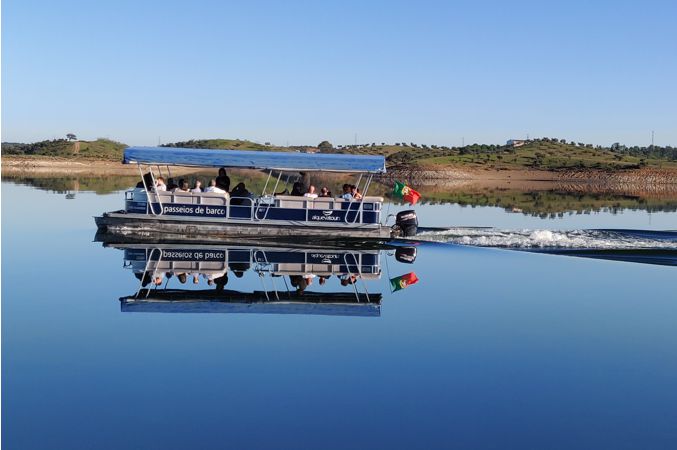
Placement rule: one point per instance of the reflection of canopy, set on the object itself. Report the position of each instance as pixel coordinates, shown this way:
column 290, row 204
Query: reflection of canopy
column 227, row 301
column 311, row 162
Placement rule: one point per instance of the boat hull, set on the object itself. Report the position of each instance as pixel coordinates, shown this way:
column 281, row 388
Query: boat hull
column 190, row 229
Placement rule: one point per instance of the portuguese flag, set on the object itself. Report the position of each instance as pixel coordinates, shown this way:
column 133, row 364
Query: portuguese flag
column 403, row 281
column 408, row 194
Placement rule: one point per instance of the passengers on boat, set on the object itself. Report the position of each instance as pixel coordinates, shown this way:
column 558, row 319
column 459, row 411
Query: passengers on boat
column 222, row 181
column 325, row 192
column 182, row 187
column 240, row 195
column 160, row 185
column 214, row 188
column 311, row 192
column 198, row 187
column 171, row 185
column 346, row 193
column 146, row 182
column 355, row 192
column 298, row 190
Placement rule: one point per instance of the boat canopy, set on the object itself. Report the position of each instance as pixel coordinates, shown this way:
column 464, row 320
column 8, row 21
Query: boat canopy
column 251, row 159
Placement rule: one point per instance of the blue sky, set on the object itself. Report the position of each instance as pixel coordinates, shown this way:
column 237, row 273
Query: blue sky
column 301, row 72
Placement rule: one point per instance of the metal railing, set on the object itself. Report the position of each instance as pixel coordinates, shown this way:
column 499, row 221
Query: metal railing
column 259, row 209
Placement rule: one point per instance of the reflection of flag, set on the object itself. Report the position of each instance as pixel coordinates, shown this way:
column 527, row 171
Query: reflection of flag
column 403, row 281
column 408, row 194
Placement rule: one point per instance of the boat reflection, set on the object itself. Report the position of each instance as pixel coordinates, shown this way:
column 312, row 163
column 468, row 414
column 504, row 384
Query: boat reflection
column 180, row 278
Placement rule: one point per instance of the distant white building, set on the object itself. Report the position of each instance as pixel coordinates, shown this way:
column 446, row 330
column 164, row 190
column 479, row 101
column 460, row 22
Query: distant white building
column 516, row 142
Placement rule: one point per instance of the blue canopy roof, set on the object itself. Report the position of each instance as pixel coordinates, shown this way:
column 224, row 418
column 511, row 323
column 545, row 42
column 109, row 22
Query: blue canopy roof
column 248, row 159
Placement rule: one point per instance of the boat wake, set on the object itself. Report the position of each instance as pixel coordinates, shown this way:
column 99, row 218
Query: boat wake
column 554, row 239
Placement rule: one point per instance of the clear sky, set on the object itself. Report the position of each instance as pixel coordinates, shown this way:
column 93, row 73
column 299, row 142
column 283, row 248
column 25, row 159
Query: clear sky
column 300, row 72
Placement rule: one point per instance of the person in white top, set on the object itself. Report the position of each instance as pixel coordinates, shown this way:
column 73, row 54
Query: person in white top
column 198, row 187
column 160, row 184
column 212, row 188
column 311, row 192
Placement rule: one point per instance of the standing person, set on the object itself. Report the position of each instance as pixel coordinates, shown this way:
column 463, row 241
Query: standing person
column 198, row 187
column 305, row 180
column 311, row 192
column 222, row 180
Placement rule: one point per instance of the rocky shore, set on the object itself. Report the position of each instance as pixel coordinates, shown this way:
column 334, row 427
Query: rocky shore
column 647, row 179
column 644, row 180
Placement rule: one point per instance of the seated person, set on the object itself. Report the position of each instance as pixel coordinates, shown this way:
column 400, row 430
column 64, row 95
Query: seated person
column 355, row 192
column 222, row 181
column 171, row 185
column 148, row 180
column 325, row 192
column 160, row 185
column 311, row 192
column 346, row 193
column 214, row 188
column 242, row 194
column 182, row 187
column 198, row 187
column 298, row 189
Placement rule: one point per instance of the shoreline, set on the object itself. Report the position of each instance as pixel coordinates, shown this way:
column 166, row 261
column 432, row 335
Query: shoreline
column 645, row 179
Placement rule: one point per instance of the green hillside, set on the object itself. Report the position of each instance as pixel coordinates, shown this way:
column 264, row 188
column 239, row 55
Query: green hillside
column 537, row 154
column 232, row 144
column 543, row 154
column 62, row 148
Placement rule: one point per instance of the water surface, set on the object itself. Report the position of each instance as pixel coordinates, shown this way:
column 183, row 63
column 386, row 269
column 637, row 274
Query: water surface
column 491, row 348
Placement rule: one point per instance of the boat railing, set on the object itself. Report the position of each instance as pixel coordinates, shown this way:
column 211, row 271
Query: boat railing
column 257, row 209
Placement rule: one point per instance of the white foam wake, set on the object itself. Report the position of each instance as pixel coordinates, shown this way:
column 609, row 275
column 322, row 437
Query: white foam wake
column 580, row 239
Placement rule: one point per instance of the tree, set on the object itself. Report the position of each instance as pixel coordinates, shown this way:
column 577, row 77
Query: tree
column 325, row 145
column 71, row 137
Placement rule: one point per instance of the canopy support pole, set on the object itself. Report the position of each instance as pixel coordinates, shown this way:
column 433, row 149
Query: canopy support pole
column 279, row 175
column 270, row 172
column 145, row 186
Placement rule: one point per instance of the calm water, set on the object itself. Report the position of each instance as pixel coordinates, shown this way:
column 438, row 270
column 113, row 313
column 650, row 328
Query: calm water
column 491, row 348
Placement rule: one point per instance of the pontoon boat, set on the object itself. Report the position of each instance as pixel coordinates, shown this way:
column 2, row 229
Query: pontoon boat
column 196, row 216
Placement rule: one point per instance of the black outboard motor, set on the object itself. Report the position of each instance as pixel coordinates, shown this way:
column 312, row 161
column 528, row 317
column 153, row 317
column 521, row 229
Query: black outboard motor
column 407, row 222
column 405, row 255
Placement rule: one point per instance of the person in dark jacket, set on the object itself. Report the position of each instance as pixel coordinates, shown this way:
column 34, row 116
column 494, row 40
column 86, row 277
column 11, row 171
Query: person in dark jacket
column 222, row 180
column 238, row 193
column 298, row 189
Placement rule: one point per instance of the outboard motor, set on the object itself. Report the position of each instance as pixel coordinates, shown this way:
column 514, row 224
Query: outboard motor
column 405, row 255
column 407, row 222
